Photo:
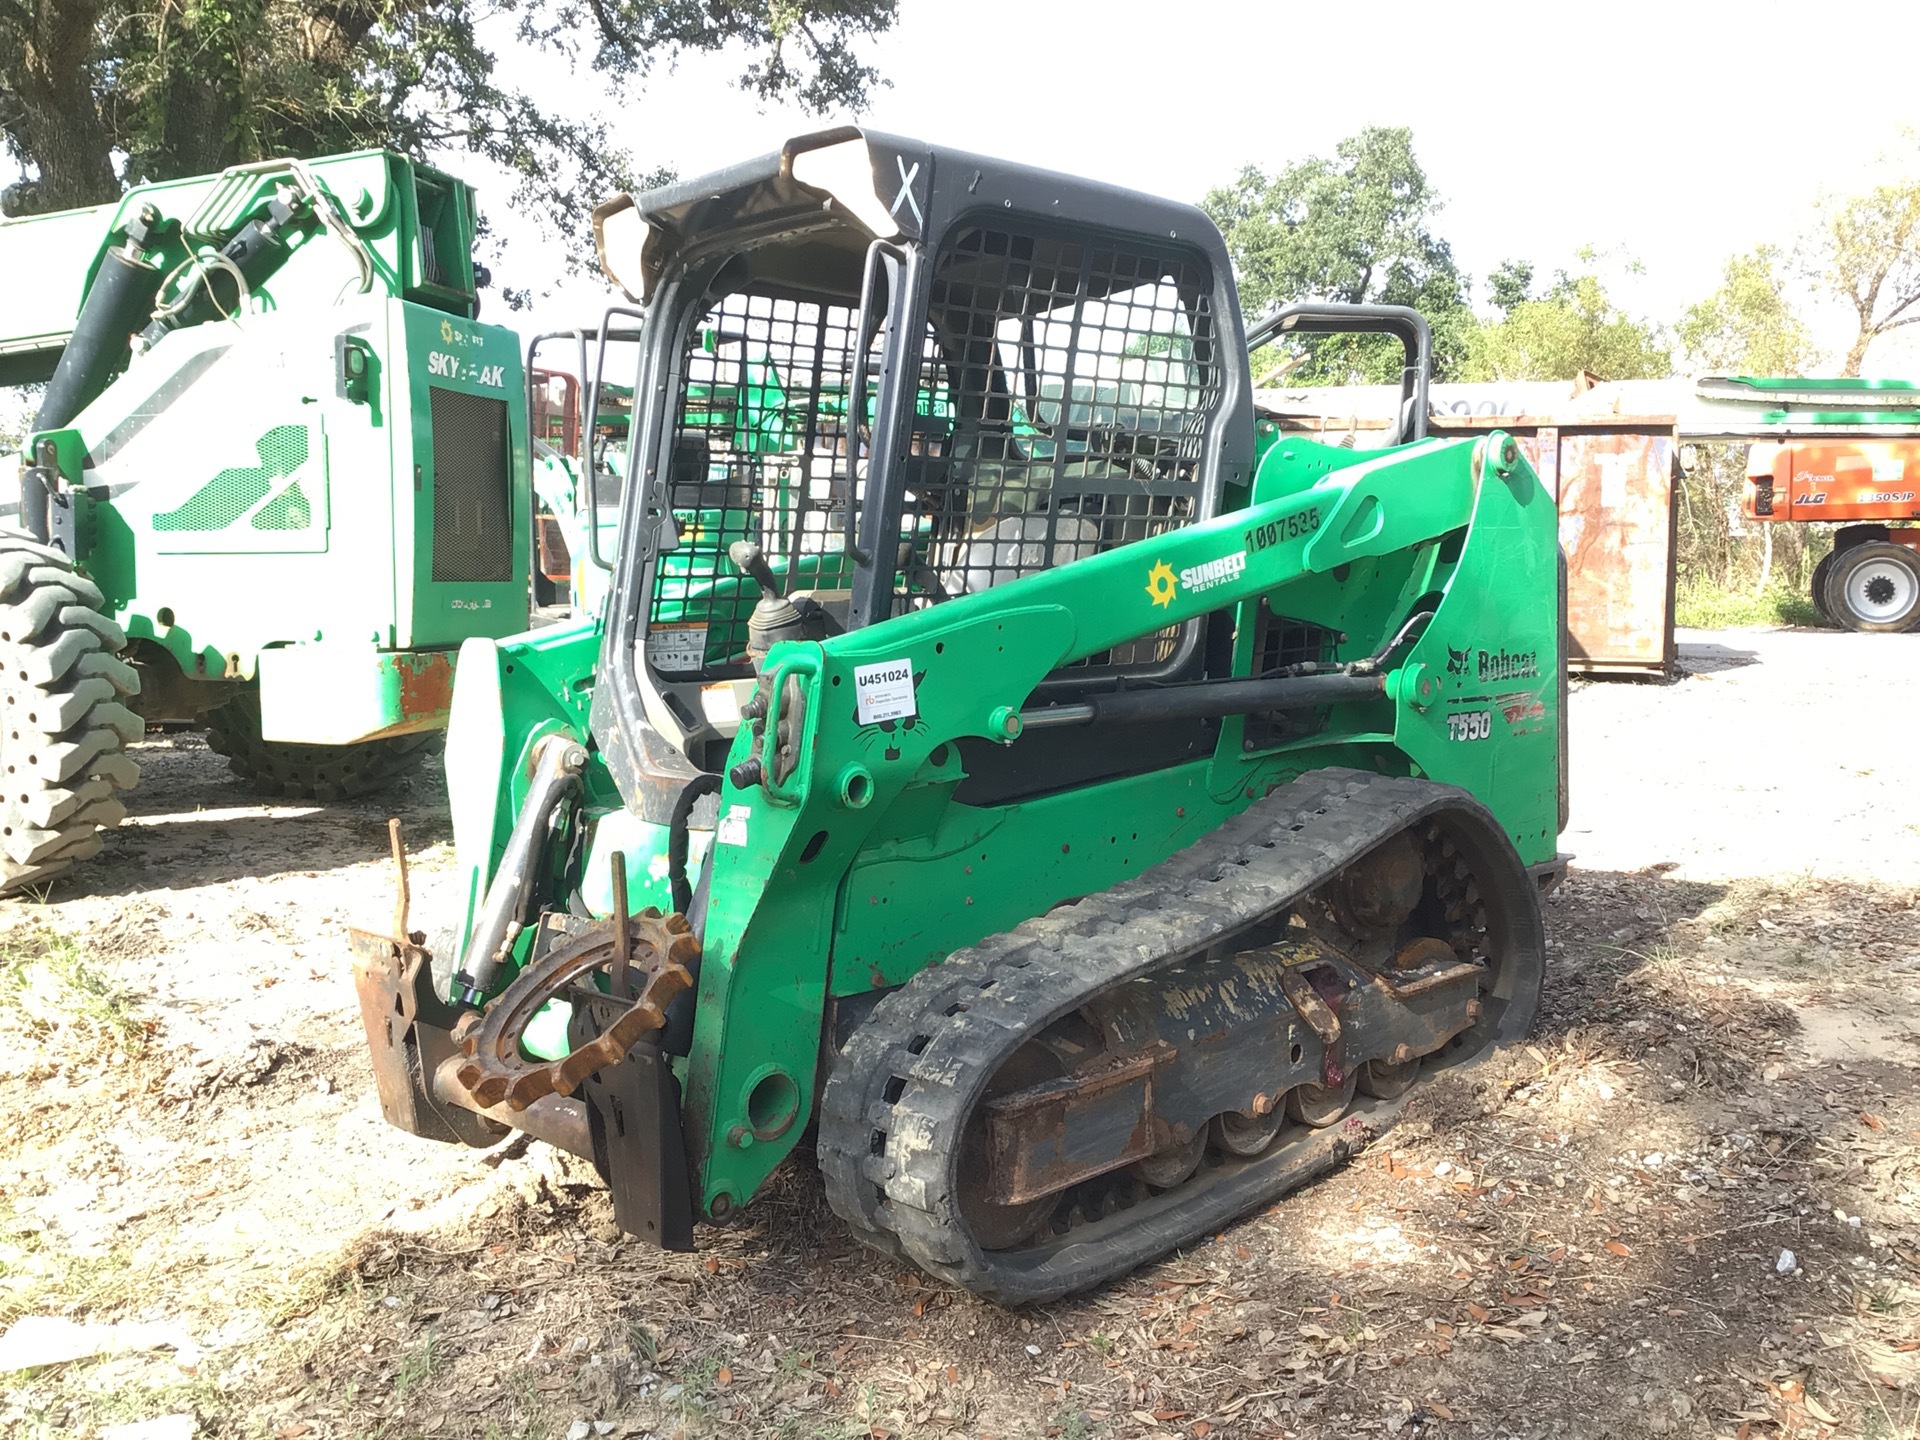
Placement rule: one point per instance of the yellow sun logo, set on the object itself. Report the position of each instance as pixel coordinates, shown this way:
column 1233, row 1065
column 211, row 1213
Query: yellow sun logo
column 446, row 331
column 1160, row 583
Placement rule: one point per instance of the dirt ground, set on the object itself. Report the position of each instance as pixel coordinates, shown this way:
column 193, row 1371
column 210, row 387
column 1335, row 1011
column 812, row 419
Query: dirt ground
column 1691, row 1207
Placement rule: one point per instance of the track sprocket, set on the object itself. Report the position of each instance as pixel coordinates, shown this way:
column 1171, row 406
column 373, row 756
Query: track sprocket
column 658, row 963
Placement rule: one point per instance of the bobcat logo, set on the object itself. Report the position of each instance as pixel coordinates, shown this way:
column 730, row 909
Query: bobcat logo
column 892, row 729
column 1457, row 660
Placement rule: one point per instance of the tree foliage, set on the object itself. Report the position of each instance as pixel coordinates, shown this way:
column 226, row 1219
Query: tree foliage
column 1866, row 251
column 1356, row 226
column 1574, row 326
column 1510, row 284
column 99, row 94
column 1747, row 326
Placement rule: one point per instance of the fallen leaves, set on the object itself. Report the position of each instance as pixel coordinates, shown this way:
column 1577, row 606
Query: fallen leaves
column 1820, row 1412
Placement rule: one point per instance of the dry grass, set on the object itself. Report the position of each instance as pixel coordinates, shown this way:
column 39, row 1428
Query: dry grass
column 1687, row 1100
column 59, row 1007
column 1593, row 1232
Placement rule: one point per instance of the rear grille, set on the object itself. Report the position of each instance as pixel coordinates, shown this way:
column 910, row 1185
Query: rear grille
column 1280, row 642
column 472, row 531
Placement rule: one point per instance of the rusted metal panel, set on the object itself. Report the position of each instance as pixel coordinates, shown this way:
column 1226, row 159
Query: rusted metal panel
column 426, row 687
column 1613, row 490
column 1543, row 450
column 408, row 1038
column 1056, row 1134
column 1616, row 527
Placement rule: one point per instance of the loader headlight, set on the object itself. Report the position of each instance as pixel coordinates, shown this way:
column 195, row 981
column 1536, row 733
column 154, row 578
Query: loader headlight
column 620, row 236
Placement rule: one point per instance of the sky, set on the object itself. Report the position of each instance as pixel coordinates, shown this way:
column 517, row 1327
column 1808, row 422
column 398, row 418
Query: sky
column 1671, row 135
column 1676, row 134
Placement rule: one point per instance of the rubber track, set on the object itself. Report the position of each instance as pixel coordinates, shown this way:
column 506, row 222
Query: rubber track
column 66, row 728
column 897, row 1101
column 310, row 772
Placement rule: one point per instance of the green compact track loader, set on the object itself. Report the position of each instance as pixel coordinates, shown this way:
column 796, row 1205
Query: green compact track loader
column 280, row 472
column 1034, row 786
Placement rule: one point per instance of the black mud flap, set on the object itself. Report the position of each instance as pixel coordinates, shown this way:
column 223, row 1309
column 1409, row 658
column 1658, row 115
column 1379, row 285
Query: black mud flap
column 409, row 1034
column 633, row 1110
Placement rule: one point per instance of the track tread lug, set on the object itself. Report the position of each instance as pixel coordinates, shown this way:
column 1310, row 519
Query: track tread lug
column 1252, row 865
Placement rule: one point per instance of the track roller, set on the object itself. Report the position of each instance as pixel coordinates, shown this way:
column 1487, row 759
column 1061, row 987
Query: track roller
column 1012, row 1120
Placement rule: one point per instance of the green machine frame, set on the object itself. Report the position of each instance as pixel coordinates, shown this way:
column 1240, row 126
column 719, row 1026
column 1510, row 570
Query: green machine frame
column 827, row 851
column 310, row 473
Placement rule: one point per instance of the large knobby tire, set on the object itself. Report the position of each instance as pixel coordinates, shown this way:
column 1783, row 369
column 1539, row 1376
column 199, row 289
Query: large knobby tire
column 1819, row 585
column 64, row 729
column 295, row 771
column 1875, row 588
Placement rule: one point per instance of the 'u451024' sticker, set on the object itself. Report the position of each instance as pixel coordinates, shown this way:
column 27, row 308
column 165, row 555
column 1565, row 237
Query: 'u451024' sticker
column 884, row 692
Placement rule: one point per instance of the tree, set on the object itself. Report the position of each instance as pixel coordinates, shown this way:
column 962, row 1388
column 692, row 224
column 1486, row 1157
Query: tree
column 1356, row 227
column 1510, row 284
column 1573, row 327
column 1867, row 252
column 99, row 94
column 1747, row 327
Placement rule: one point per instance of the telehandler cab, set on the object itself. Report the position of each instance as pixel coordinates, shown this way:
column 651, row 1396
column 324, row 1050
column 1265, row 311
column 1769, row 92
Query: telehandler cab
column 279, row 472
column 1078, row 810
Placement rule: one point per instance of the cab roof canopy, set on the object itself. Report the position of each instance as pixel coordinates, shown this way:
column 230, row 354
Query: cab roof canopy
column 849, row 186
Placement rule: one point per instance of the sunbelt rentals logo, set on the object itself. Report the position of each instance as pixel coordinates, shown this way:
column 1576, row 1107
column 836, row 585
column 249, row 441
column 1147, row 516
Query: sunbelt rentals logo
column 1163, row 584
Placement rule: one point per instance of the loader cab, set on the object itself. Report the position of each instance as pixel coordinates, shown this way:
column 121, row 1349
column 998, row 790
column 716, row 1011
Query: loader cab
column 905, row 375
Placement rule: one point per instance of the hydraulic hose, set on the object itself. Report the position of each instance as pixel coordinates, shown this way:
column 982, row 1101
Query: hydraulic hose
column 678, row 838
column 254, row 252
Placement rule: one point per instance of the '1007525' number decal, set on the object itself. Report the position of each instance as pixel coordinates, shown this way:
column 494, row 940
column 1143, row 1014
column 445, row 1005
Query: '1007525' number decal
column 1288, row 527
column 1470, row 725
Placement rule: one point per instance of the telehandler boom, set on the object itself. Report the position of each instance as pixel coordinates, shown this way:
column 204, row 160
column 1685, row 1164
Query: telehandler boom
column 1084, row 810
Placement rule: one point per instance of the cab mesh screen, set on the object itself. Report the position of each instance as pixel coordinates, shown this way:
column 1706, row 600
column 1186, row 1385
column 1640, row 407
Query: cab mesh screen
column 1075, row 379
column 761, row 455
column 472, row 530
column 1063, row 393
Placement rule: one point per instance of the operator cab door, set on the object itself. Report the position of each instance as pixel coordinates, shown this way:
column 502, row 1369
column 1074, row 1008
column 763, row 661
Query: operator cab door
column 1057, row 404
column 1079, row 377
